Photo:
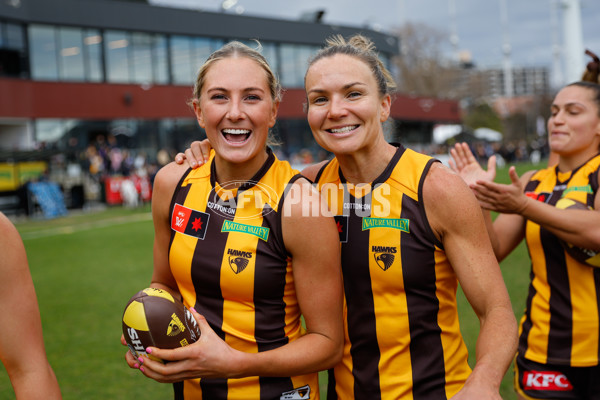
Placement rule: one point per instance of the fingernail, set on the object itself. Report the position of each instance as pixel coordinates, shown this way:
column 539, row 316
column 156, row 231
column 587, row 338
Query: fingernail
column 148, row 350
column 193, row 309
column 141, row 360
column 136, row 365
column 142, row 369
column 193, row 163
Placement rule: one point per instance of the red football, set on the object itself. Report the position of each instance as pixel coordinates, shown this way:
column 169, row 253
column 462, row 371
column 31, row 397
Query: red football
column 153, row 317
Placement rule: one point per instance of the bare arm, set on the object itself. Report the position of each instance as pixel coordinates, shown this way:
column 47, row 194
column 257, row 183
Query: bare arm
column 313, row 242
column 22, row 348
column 578, row 227
column 456, row 218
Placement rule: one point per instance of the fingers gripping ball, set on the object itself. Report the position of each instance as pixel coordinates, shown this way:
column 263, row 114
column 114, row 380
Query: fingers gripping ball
column 153, row 317
column 585, row 256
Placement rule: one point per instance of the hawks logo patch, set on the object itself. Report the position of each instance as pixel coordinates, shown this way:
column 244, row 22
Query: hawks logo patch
column 175, row 326
column 189, row 222
column 300, row 393
column 384, row 256
column 238, row 260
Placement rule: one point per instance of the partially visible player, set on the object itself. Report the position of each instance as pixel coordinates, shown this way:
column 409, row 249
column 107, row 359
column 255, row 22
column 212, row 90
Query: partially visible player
column 22, row 348
column 559, row 347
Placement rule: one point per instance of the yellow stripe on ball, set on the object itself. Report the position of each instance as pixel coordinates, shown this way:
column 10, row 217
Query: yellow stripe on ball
column 159, row 293
column 135, row 316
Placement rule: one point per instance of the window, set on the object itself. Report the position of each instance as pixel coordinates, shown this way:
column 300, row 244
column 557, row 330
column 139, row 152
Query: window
column 42, row 45
column 160, row 60
column 116, row 48
column 141, row 57
column 92, row 42
column 70, row 55
column 294, row 61
column 12, row 50
column 181, row 60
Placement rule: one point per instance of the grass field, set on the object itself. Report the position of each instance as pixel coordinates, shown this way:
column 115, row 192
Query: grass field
column 86, row 266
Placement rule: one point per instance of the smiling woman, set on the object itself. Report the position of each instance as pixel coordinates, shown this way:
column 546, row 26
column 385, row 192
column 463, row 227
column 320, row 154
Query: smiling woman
column 232, row 243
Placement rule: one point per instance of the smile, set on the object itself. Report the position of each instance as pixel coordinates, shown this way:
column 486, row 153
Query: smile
column 343, row 130
column 236, row 135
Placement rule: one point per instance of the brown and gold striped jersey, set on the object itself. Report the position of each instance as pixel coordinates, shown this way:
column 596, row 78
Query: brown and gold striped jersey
column 230, row 262
column 561, row 320
column 402, row 331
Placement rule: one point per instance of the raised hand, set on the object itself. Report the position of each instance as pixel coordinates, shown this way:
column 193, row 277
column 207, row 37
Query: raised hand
column 464, row 164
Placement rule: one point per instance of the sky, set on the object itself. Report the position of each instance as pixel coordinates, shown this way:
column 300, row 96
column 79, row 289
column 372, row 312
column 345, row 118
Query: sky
column 533, row 28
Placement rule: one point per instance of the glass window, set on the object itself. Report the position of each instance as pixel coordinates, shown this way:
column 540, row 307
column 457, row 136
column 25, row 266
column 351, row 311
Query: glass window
column 270, row 52
column 294, row 60
column 160, row 60
column 141, row 57
column 92, row 40
column 70, row 55
column 15, row 36
column 116, row 48
column 203, row 47
column 181, row 60
column 42, row 46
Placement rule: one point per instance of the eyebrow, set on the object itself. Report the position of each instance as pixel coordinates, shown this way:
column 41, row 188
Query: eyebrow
column 222, row 89
column 345, row 87
column 573, row 103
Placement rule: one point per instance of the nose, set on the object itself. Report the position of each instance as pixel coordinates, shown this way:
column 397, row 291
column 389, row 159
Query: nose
column 556, row 119
column 337, row 108
column 235, row 112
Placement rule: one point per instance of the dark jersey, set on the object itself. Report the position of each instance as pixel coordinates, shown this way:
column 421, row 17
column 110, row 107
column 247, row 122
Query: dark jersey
column 561, row 321
column 229, row 260
column 401, row 323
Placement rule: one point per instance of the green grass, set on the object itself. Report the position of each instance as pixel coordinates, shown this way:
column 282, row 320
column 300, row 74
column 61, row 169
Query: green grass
column 87, row 265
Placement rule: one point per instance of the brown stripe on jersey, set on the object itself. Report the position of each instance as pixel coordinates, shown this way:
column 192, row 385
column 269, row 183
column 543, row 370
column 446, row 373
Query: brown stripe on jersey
column 331, row 393
column 527, row 324
column 597, row 282
column 361, row 310
column 418, row 266
column 269, row 305
column 559, row 335
column 206, row 277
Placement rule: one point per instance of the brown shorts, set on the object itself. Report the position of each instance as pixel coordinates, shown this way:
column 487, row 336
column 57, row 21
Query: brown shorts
column 558, row 382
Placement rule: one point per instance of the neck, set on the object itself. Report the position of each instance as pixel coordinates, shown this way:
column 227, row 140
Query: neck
column 365, row 165
column 569, row 163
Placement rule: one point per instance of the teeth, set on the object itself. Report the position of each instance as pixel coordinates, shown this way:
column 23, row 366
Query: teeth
column 344, row 129
column 236, row 131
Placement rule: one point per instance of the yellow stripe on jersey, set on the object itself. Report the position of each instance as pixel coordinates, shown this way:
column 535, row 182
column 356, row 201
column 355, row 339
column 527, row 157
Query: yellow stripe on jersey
column 561, row 323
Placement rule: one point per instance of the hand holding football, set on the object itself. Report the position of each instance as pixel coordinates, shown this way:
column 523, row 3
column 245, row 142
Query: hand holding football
column 153, row 317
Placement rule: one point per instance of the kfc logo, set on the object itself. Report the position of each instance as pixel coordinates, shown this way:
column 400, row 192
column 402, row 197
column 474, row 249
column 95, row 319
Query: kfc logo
column 548, row 380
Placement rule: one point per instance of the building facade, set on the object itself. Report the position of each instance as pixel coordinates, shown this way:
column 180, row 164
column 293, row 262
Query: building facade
column 78, row 76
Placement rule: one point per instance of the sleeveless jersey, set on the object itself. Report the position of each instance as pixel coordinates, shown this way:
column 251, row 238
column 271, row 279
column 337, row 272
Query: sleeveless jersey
column 229, row 260
column 561, row 320
column 402, row 335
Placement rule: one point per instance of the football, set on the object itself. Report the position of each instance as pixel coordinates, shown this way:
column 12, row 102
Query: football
column 585, row 256
column 153, row 317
